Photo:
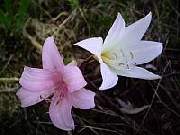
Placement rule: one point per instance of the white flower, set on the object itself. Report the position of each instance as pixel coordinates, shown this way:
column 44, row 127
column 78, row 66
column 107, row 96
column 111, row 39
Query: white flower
column 122, row 50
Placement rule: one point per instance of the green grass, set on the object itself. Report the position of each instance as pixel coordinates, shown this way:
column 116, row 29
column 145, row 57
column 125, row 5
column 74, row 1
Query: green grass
column 13, row 15
column 85, row 19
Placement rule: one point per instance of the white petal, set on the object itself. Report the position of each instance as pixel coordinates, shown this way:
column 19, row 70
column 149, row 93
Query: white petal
column 138, row 72
column 109, row 79
column 145, row 51
column 83, row 99
column 114, row 32
column 93, row 45
column 135, row 31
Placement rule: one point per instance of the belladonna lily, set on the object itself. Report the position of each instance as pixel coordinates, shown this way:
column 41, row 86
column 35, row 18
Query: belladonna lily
column 122, row 50
column 62, row 83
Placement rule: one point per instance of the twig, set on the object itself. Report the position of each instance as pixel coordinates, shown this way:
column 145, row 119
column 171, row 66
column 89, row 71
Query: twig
column 102, row 129
column 46, row 12
column 59, row 15
column 6, row 65
column 152, row 101
column 32, row 39
column 13, row 79
column 8, row 90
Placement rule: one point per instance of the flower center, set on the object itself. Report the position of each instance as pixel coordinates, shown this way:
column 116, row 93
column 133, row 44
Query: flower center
column 110, row 57
column 105, row 56
column 61, row 89
column 117, row 58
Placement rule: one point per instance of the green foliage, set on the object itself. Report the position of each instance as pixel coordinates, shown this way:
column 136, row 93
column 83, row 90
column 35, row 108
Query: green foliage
column 74, row 3
column 12, row 18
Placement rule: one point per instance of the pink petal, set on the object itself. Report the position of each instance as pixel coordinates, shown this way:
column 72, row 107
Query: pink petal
column 60, row 114
column 28, row 98
column 50, row 56
column 73, row 78
column 83, row 99
column 35, row 79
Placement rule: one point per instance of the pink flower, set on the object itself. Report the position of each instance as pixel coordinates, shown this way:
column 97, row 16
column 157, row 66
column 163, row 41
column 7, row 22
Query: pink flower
column 64, row 83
